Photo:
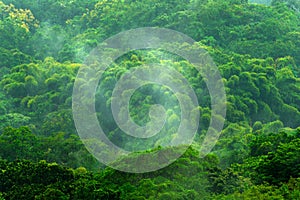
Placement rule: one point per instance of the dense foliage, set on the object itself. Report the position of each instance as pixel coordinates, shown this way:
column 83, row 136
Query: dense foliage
column 256, row 48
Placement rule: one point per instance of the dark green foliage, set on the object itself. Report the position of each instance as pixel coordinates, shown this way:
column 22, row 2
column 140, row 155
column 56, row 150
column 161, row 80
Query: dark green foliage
column 52, row 180
column 276, row 166
column 256, row 48
column 47, row 181
column 18, row 144
column 21, row 143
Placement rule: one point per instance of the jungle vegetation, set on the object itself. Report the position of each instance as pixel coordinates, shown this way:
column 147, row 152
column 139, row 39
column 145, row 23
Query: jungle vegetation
column 256, row 48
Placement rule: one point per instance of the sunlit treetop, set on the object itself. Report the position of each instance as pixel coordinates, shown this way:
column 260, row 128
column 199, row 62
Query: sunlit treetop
column 20, row 17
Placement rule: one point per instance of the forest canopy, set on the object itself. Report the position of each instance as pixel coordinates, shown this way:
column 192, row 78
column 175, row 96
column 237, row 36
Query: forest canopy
column 255, row 46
